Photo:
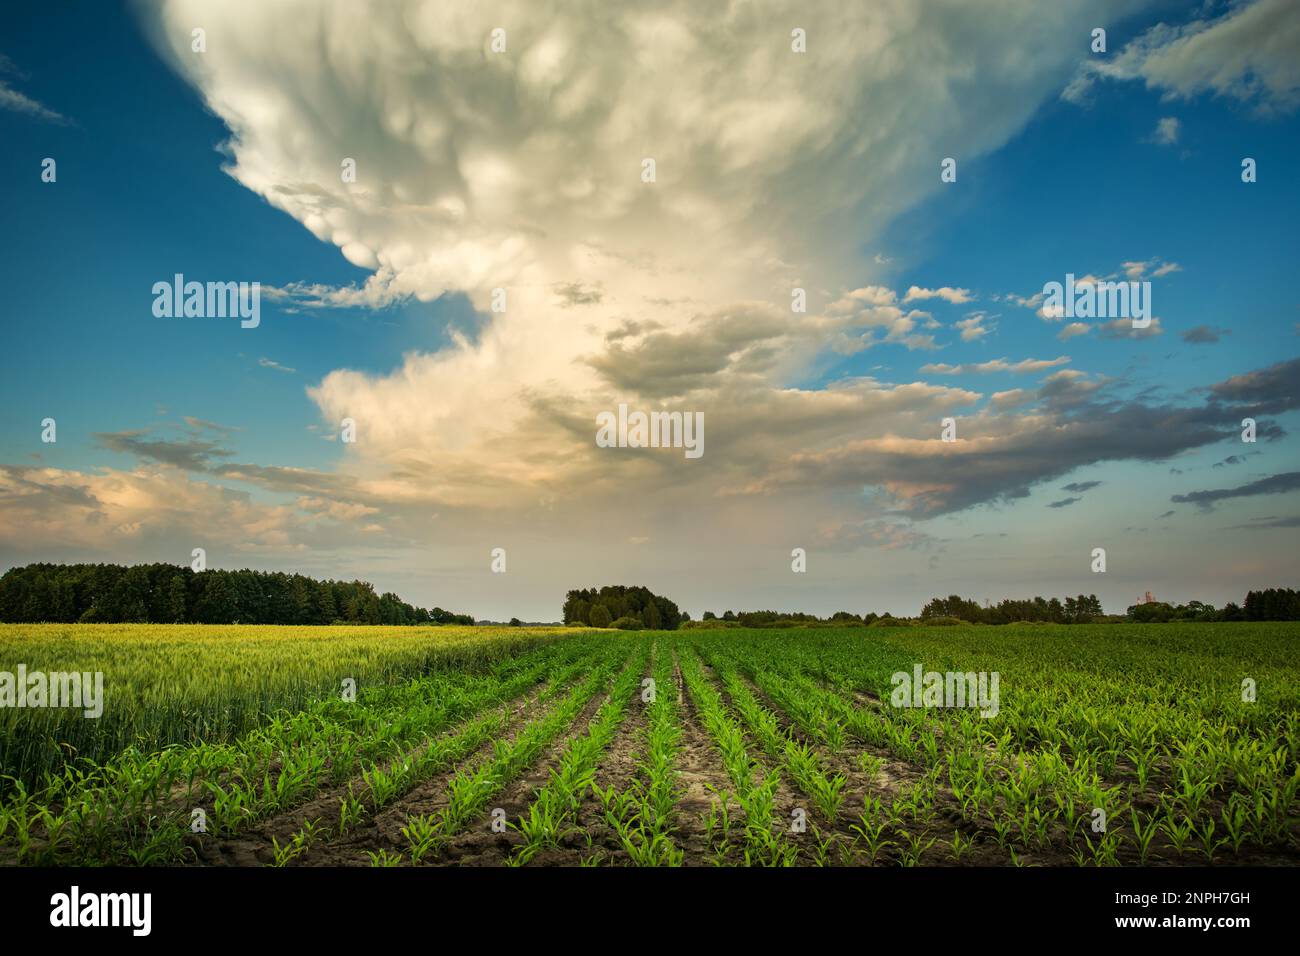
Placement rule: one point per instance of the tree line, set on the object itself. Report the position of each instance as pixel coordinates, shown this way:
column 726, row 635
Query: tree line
column 949, row 610
column 175, row 594
column 1270, row 604
column 1073, row 610
column 777, row 619
column 1273, row 604
column 629, row 608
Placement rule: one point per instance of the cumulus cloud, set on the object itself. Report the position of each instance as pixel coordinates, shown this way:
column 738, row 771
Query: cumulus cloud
column 947, row 293
column 1011, row 398
column 162, row 512
column 973, row 327
column 522, row 171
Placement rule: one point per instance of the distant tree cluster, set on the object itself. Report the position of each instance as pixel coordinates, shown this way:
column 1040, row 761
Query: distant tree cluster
column 781, row 619
column 1073, row 610
column 1159, row 612
column 629, row 608
column 173, row 594
column 1272, row 604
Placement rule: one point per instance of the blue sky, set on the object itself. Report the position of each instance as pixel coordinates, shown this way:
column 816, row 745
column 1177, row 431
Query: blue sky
column 213, row 166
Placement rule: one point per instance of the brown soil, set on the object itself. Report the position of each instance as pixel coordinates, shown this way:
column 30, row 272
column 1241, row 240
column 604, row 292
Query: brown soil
column 477, row 845
column 253, row 847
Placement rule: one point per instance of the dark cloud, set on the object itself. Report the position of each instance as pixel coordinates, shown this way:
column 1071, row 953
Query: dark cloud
column 1290, row 521
column 1081, row 425
column 189, row 455
column 1202, row 335
column 1267, row 391
column 1080, row 486
column 575, row 293
column 665, row 364
column 1067, row 389
column 1272, row 485
column 1064, row 502
column 1123, row 329
column 42, row 496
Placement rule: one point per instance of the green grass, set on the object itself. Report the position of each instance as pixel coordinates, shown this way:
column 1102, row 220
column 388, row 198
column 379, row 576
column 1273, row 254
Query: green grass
column 173, row 684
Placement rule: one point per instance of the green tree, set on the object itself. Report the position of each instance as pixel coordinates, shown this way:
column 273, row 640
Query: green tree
column 600, row 616
column 650, row 616
column 217, row 605
column 177, row 600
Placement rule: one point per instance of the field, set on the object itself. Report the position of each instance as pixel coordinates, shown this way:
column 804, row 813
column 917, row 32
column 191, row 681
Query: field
column 1110, row 745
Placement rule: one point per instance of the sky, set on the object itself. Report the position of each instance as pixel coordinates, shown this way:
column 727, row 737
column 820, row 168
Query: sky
column 505, row 265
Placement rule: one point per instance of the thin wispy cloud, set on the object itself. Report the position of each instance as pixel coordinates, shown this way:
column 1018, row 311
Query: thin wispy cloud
column 1272, row 485
column 997, row 365
column 16, row 101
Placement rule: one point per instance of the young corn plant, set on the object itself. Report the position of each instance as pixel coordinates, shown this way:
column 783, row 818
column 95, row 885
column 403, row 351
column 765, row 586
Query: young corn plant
column 421, row 833
column 384, row 858
column 298, row 844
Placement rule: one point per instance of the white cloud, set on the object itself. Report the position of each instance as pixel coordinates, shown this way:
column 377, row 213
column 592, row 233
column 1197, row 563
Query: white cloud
column 1251, row 53
column 947, row 293
column 867, row 295
column 1123, row 329
column 1011, row 398
column 1167, row 131
column 522, row 171
column 17, row 102
column 972, row 327
column 997, row 365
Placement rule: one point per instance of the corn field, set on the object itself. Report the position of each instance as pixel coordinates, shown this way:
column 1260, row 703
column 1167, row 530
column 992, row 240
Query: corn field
column 1109, row 745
